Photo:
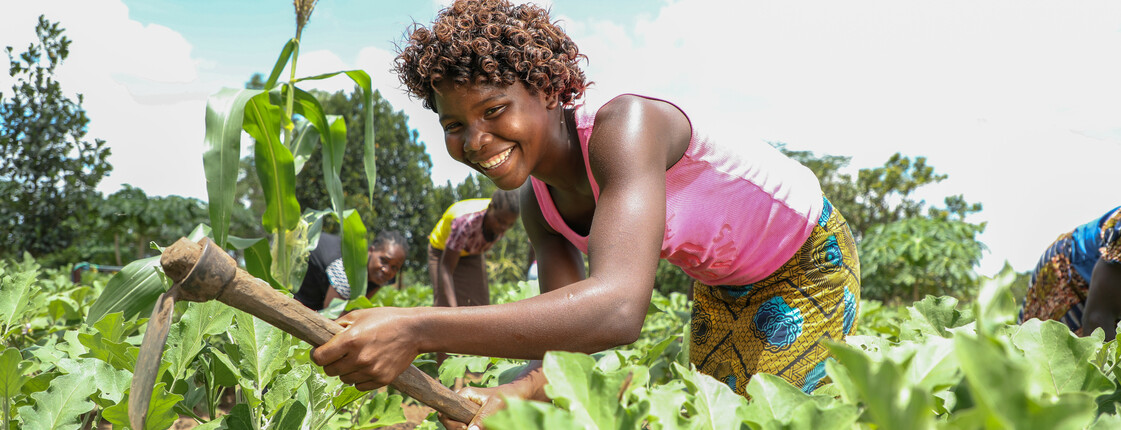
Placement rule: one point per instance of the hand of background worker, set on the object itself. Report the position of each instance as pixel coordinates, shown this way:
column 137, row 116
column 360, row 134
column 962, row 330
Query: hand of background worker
column 529, row 385
column 490, row 400
column 374, row 347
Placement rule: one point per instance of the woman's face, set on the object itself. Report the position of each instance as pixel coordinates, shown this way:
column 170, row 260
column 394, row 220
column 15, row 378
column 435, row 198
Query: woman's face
column 500, row 131
column 384, row 263
column 496, row 222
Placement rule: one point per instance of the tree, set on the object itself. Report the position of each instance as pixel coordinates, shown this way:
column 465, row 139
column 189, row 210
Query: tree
column 917, row 256
column 123, row 225
column 903, row 252
column 48, row 171
column 403, row 181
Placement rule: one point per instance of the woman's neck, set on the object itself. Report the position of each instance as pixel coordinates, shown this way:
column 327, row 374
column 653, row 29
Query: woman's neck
column 567, row 173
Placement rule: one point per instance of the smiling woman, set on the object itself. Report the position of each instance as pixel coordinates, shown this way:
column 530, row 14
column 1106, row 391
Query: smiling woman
column 326, row 280
column 626, row 183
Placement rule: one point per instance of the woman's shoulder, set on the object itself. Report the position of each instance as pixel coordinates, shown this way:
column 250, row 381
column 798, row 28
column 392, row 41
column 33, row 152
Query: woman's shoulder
column 634, row 119
column 627, row 108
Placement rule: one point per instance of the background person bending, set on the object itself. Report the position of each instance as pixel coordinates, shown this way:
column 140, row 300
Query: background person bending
column 458, row 243
column 1078, row 278
column 325, row 279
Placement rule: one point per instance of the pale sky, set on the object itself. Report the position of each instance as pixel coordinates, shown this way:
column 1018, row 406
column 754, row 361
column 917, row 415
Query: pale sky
column 1019, row 102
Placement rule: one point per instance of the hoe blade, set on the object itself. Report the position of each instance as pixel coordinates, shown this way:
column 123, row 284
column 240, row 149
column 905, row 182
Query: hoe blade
column 148, row 361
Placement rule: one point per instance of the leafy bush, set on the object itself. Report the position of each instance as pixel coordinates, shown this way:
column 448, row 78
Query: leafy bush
column 937, row 363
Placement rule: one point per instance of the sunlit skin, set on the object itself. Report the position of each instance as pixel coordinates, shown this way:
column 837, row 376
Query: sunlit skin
column 1103, row 304
column 382, row 265
column 495, row 222
column 634, row 142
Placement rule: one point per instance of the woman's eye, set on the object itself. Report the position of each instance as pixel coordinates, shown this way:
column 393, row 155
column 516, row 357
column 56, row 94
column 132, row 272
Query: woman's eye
column 494, row 110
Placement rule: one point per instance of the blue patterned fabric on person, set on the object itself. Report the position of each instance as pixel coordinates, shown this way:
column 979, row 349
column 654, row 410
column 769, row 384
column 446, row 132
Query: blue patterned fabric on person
column 776, row 325
column 1060, row 282
column 814, row 377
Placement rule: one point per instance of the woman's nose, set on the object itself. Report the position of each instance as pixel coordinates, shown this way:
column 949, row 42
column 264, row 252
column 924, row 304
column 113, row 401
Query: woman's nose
column 476, row 140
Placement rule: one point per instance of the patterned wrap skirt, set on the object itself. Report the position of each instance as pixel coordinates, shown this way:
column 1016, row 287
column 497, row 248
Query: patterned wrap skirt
column 778, row 325
column 1056, row 291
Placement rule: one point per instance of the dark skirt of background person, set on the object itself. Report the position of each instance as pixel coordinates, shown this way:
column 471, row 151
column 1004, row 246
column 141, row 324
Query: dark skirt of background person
column 469, row 279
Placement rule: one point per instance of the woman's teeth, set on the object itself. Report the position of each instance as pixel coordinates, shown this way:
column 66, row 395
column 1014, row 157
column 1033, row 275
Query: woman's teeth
column 496, row 160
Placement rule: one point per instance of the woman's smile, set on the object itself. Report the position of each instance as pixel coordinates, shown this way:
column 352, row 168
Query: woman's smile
column 496, row 160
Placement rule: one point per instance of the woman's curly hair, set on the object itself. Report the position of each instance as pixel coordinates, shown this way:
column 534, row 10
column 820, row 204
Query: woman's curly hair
column 494, row 42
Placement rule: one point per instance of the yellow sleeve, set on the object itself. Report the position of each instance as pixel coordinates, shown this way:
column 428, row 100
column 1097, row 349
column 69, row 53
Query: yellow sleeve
column 438, row 238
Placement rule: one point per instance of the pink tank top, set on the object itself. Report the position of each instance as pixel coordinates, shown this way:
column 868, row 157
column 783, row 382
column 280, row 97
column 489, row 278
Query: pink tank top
column 735, row 213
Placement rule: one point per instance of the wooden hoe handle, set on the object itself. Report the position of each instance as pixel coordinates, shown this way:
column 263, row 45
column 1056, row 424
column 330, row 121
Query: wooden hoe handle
column 211, row 279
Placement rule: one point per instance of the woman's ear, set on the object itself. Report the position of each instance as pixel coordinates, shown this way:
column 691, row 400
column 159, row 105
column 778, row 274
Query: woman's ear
column 552, row 101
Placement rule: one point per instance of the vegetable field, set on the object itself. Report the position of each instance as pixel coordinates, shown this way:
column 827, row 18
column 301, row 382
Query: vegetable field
column 938, row 363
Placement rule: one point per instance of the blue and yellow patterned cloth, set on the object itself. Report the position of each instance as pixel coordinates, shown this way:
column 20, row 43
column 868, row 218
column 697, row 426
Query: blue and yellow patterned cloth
column 1061, row 279
column 777, row 325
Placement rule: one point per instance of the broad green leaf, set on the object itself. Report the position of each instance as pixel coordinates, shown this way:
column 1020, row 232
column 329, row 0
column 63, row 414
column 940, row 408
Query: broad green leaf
column 594, row 397
column 355, row 254
column 362, row 79
column 62, row 404
column 933, row 316
column 665, row 405
column 523, row 415
column 62, row 308
column 456, row 366
column 13, row 373
column 40, row 382
column 995, row 306
column 115, row 327
column 222, row 369
column 996, row 381
column 776, row 404
column 931, row 365
column 384, row 409
column 1061, row 360
column 263, row 349
column 306, row 138
column 47, row 356
column 161, row 410
column 291, row 416
column 274, row 165
column 280, row 392
column 258, row 260
column 187, row 337
column 110, row 383
column 998, row 388
column 1106, row 422
column 713, row 404
column 71, row 344
column 132, row 291
column 1073, row 411
column 120, row 355
column 15, row 294
column 281, row 61
column 333, row 151
column 891, row 401
column 320, row 390
column 348, row 395
column 225, row 113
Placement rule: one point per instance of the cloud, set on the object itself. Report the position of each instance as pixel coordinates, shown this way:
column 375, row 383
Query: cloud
column 141, row 90
column 1016, row 102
